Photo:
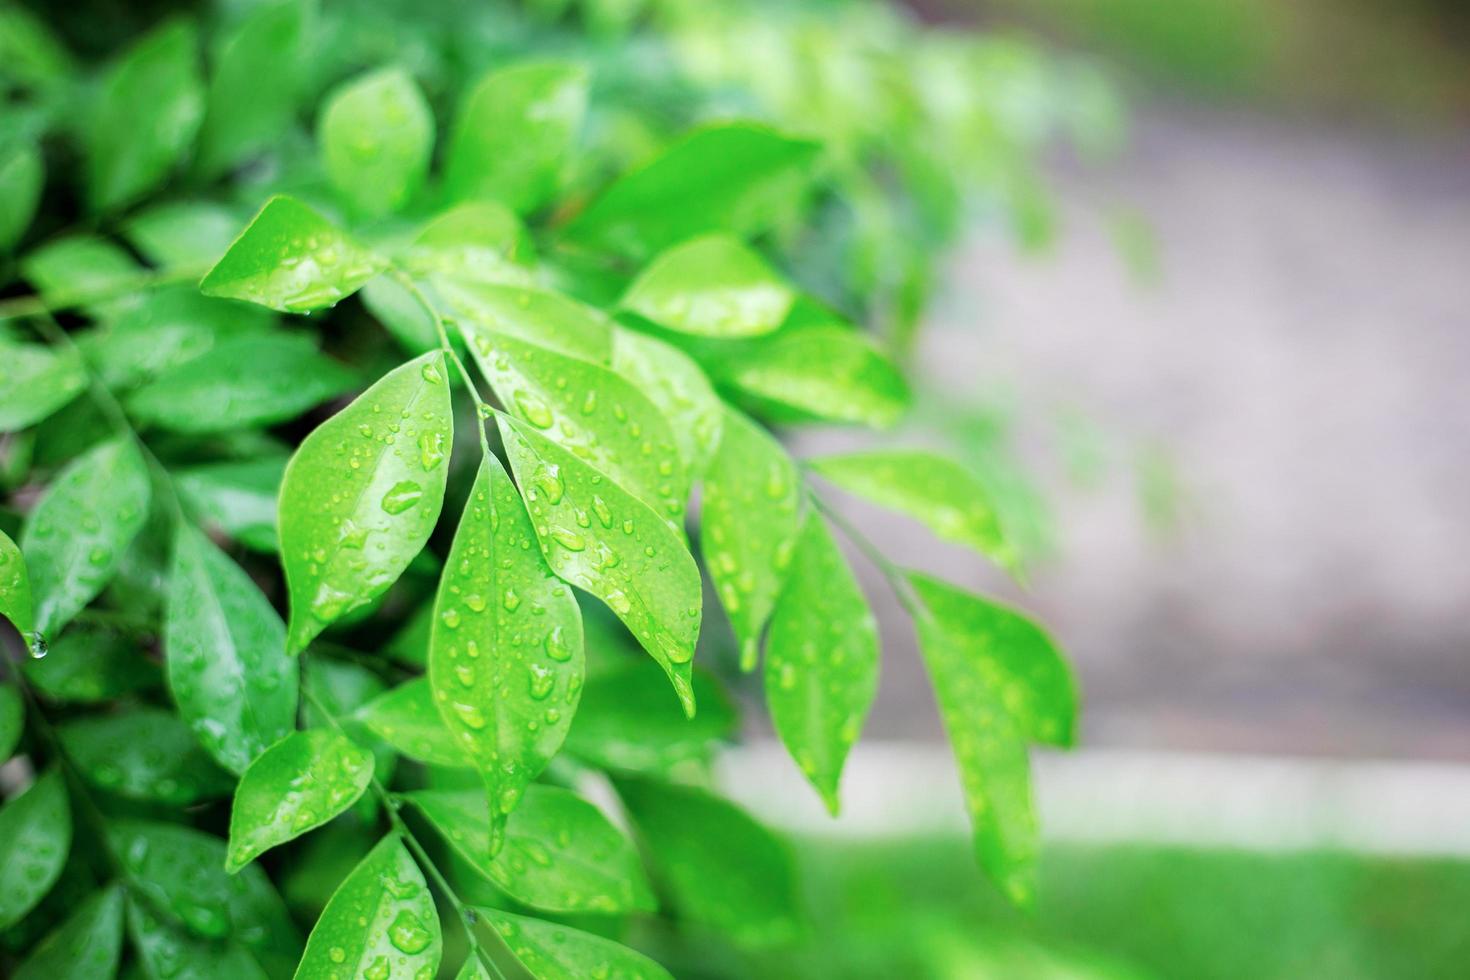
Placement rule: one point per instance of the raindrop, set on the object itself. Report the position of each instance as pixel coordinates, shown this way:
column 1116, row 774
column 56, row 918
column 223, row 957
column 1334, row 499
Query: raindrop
column 401, row 497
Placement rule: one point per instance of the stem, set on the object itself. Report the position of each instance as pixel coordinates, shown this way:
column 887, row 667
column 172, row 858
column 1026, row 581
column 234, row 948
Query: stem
column 482, row 408
column 897, row 580
column 37, row 306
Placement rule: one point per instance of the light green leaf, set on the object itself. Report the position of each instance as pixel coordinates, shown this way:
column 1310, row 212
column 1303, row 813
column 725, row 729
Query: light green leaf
column 627, row 722
column 86, row 946
column 551, row 951
column 472, row 969
column 513, row 133
column 35, row 381
column 78, row 266
column 143, row 753
column 505, row 656
column 15, row 587
column 380, row 922
column 560, row 855
column 733, row 177
column 362, row 494
column 290, row 258
column 748, row 526
column 713, row 286
column 259, row 67
column 406, row 719
column 12, row 720
column 832, row 373
column 396, row 307
column 717, row 867
column 182, row 234
column 169, row 953
column 547, row 319
column 678, row 388
column 145, row 117
column 22, row 175
column 597, row 415
column 35, row 836
column 376, row 135
column 602, row 539
column 342, row 686
column 237, row 498
column 242, row 382
column 821, row 660
column 296, row 785
column 87, row 665
column 226, row 653
column 74, row 538
column 477, row 242
column 938, row 492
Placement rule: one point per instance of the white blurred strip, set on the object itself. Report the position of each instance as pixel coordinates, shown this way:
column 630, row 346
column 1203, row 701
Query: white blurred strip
column 1251, row 802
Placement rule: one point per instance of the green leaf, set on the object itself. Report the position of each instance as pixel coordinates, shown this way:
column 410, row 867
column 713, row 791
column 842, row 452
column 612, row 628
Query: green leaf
column 290, row 258
column 143, row 753
column 22, row 175
column 169, row 953
column 831, row 373
column 86, row 946
column 75, row 536
column 36, row 381
column 362, row 494
column 505, row 656
column 259, row 67
column 380, row 922
column 226, row 653
column 296, row 785
column 181, row 234
column 12, row 720
column 15, row 587
column 78, row 266
column 712, row 286
column 35, row 837
column 145, row 117
column 283, row 376
column 734, row 177
column 376, row 135
column 938, row 492
column 606, row 541
column 560, row 855
column 406, row 719
column 88, row 665
column 717, row 866
column 237, row 499
column 821, row 660
column 678, row 388
column 547, row 319
column 513, row 133
column 626, row 721
column 597, row 415
column 748, row 526
column 551, row 951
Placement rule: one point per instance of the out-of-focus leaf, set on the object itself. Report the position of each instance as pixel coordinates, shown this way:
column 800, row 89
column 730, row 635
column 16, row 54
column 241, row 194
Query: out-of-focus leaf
column 12, row 720
column 551, row 951
column 75, row 267
column 713, row 286
column 183, row 234
column 626, row 721
column 30, row 54
column 35, row 837
column 678, row 388
column 376, row 136
column 166, row 952
column 87, row 665
column 86, row 946
column 547, row 319
column 143, row 753
column 236, row 498
column 406, row 719
column 15, row 587
column 22, row 175
column 474, row 243
column 831, row 373
column 259, row 66
column 35, row 381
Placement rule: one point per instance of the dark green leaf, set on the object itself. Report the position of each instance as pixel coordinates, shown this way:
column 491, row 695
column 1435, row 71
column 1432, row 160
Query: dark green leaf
column 87, row 665
column 406, row 719
column 87, row 946
column 22, row 175
column 259, row 66
column 143, row 754
column 376, row 136
column 713, row 286
column 544, row 318
column 35, row 837
column 551, row 951
column 236, row 498
column 35, row 381
column 678, row 388
column 169, row 953
column 12, row 720
column 362, row 494
column 15, row 587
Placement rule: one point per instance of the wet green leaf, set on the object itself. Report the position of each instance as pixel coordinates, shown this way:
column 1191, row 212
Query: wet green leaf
column 713, row 286
column 226, row 648
column 362, row 494
column 376, row 135
column 74, row 538
column 236, row 498
column 145, row 118
column 938, row 492
column 380, row 922
column 15, row 587
column 832, row 373
column 513, row 132
column 12, row 720
column 547, row 319
column 143, row 753
column 290, row 258
column 166, row 952
column 406, row 719
column 88, row 665
column 35, row 837
column 551, row 951
column 86, row 946
column 505, row 656
column 296, row 785
column 35, row 381
column 678, row 388
column 602, row 539
column 560, row 854
column 259, row 66
column 22, row 175
column 627, row 722
column 182, row 234
column 821, row 660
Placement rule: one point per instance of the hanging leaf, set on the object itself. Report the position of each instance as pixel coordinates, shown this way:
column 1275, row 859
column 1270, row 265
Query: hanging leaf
column 678, row 389
column 380, row 922
column 15, row 587
column 36, row 381
column 821, row 660
column 560, row 854
column 165, row 951
column 546, row 319
column 22, row 176
column 938, row 492
column 513, row 132
column 291, row 259
column 88, row 665
column 362, row 494
column 35, row 837
column 627, row 722
column 406, row 719
column 551, row 951
column 143, row 753
column 376, row 135
column 831, row 373
column 296, row 785
column 86, row 946
column 602, row 539
column 712, row 286
column 505, row 657
column 748, row 526
column 237, row 499
column 75, row 536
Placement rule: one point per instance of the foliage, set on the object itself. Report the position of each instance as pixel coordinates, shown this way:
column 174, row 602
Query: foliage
column 241, row 401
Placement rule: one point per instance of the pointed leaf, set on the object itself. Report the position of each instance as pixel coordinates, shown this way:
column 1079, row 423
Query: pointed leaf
column 88, row 665
column 406, row 719
column 547, row 319
column 22, row 175
column 35, row 837
column 821, row 660
column 166, row 952
column 380, row 922
column 226, row 654
column 74, row 539
column 143, row 753
column 551, row 951
column 86, row 946
column 35, row 381
column 713, row 286
column 298, row 784
column 505, row 656
column 15, row 587
column 678, row 388
column 362, row 494
column 291, row 259
column 831, row 373
column 256, row 79
column 602, row 539
column 376, row 135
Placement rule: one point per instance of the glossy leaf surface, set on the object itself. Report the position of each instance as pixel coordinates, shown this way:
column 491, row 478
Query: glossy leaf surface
column 15, row 587
column 169, row 952
column 678, row 388
column 35, row 837
column 828, row 373
column 376, row 134
column 87, row 945
column 551, row 951
column 712, row 286
column 407, row 719
column 544, row 318
column 143, row 753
